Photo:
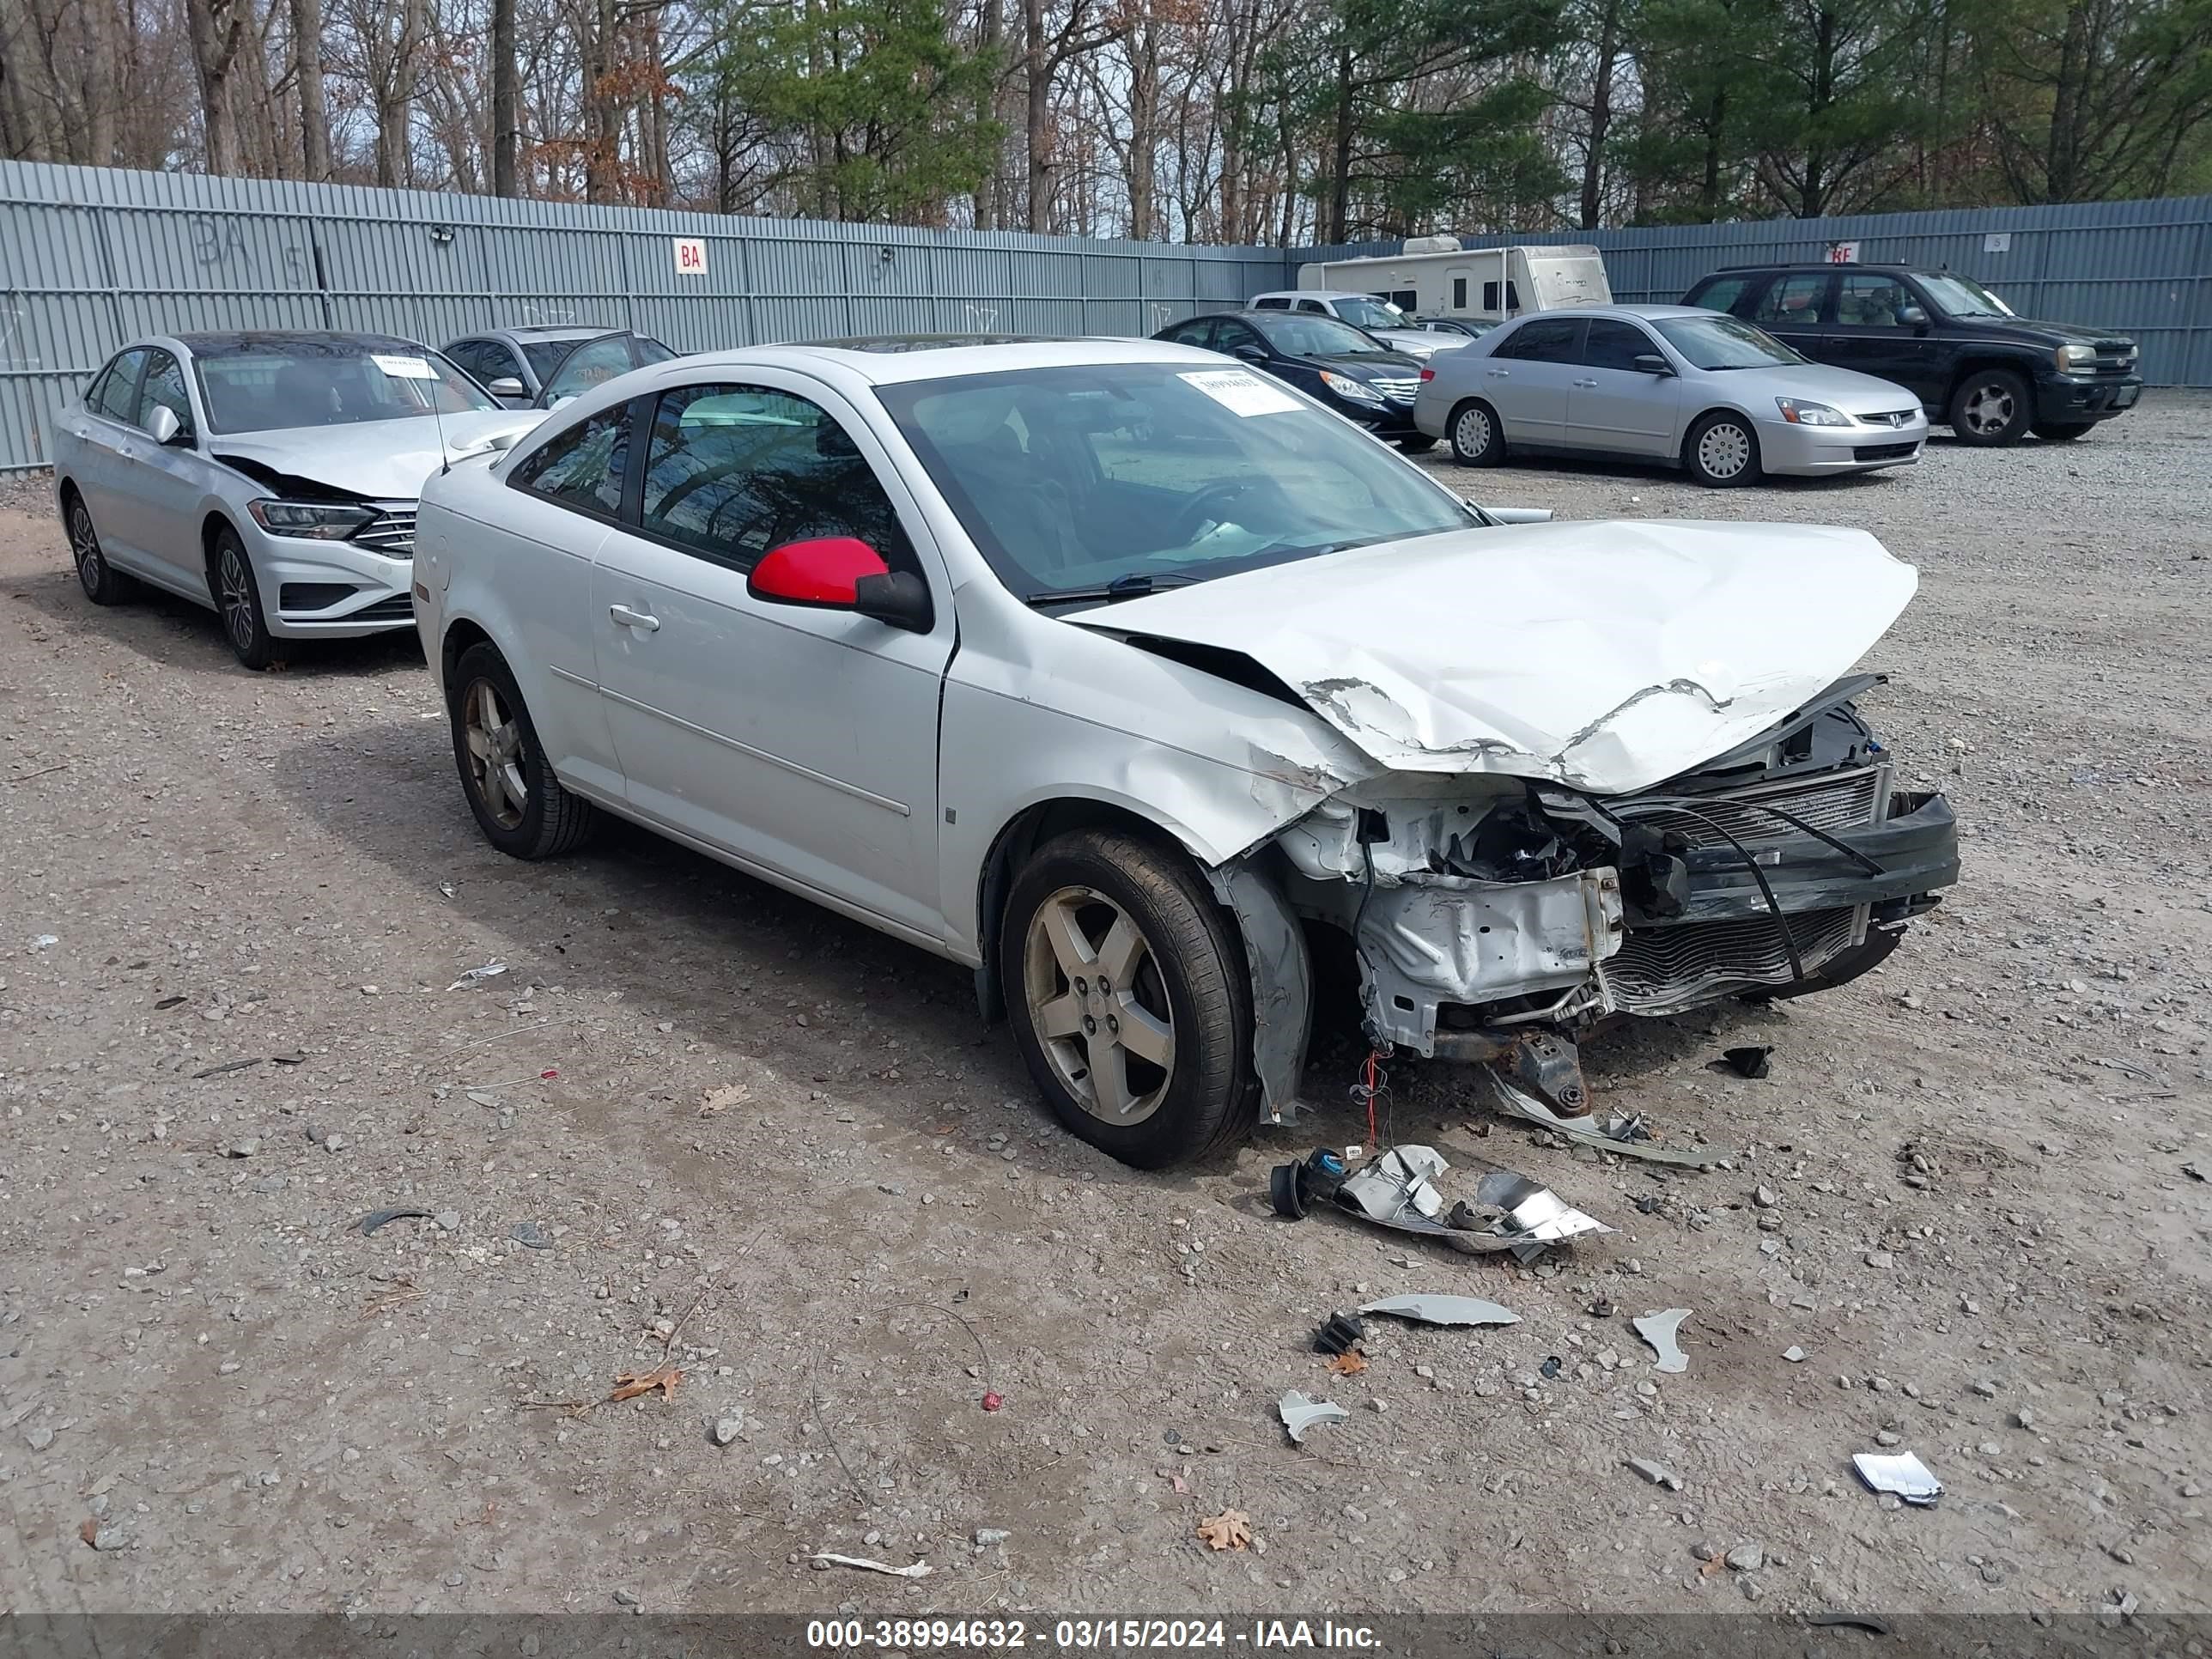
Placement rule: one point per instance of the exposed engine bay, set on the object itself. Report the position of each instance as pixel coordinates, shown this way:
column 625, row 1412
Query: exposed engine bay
column 1497, row 918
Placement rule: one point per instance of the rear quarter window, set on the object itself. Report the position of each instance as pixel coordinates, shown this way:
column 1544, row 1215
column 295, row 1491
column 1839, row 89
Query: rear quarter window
column 1723, row 293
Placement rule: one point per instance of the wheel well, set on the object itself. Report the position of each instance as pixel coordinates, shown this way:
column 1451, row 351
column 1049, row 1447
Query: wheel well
column 459, row 637
column 1704, row 414
column 1030, row 830
column 1975, row 366
column 210, row 528
column 67, row 496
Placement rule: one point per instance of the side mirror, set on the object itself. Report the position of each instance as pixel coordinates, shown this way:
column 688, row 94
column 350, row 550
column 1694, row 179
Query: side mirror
column 1650, row 362
column 1913, row 317
column 162, row 426
column 1250, row 354
column 900, row 599
column 507, row 386
column 841, row 572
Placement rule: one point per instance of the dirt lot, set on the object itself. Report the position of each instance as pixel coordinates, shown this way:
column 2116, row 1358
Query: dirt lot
column 1985, row 1236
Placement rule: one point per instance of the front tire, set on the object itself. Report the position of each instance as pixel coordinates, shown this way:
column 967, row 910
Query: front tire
column 2059, row 432
column 238, row 601
column 103, row 584
column 521, row 807
column 1478, row 438
column 1129, row 998
column 1721, row 451
column 1991, row 407
column 1416, row 445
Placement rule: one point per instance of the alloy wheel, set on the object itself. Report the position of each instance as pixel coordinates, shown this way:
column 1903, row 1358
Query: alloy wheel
column 240, row 608
column 1724, row 450
column 1988, row 408
column 84, row 547
column 495, row 754
column 1098, row 1006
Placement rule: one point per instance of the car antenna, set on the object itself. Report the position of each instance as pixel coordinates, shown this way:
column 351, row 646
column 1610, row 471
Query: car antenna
column 438, row 413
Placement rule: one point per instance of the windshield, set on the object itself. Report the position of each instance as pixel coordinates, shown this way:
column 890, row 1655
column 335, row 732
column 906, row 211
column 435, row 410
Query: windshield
column 1370, row 314
column 1724, row 343
column 264, row 385
column 1318, row 337
column 1069, row 479
column 1962, row 297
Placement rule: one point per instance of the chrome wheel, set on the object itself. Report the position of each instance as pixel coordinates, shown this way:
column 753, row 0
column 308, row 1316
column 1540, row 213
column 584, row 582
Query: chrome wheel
column 1724, row 450
column 496, row 754
column 1471, row 432
column 84, row 549
column 241, row 612
column 1988, row 408
column 1098, row 1006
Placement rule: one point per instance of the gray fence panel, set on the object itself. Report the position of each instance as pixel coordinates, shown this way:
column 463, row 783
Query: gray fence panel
column 91, row 258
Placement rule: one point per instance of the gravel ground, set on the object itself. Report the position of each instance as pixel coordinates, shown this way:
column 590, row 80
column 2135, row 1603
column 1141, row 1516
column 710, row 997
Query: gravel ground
column 700, row 1119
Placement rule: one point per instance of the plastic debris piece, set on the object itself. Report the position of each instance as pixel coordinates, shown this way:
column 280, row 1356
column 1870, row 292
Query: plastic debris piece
column 1443, row 1309
column 1338, row 1334
column 1552, row 1367
column 1794, row 1354
column 491, row 970
column 1657, row 1474
column 375, row 1218
column 1401, row 1180
column 1300, row 1413
column 1658, row 1330
column 1534, row 1214
column 1749, row 1061
column 1900, row 1472
column 227, row 1065
column 917, row 1570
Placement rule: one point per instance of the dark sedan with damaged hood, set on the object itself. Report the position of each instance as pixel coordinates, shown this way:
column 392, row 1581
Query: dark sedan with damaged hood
column 1135, row 681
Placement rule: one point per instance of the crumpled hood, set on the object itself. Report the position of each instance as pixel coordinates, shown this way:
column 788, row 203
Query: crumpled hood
column 382, row 460
column 1607, row 656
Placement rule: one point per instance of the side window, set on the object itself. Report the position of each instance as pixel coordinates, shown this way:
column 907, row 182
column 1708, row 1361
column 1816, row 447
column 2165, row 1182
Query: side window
column 1512, row 296
column 1865, row 300
column 1233, row 334
column 733, row 470
column 593, row 363
column 1722, row 293
column 1795, row 301
column 1609, row 344
column 115, row 394
column 1196, row 332
column 1459, row 293
column 1405, row 299
column 582, row 467
column 1273, row 302
column 1546, row 340
column 1313, row 305
column 469, row 354
column 165, row 389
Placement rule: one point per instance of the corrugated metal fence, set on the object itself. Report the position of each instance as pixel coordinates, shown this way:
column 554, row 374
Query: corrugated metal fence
column 2144, row 268
column 92, row 257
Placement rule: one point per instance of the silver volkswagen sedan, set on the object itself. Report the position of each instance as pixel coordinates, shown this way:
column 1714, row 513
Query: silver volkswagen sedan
column 1675, row 385
column 1131, row 678
column 270, row 477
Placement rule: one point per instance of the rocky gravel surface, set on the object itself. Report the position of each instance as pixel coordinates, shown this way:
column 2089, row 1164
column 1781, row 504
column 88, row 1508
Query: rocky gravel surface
column 698, row 1125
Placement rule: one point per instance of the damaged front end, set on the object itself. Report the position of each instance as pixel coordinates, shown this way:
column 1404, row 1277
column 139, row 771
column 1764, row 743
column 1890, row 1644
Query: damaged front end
column 1496, row 918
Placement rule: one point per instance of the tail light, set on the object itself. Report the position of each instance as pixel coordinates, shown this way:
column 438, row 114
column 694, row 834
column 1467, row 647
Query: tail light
column 1428, row 374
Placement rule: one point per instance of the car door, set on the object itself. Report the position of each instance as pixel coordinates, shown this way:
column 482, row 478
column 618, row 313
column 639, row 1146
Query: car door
column 100, row 475
column 1869, row 333
column 1795, row 309
column 160, row 487
column 1615, row 406
column 802, row 740
column 1235, row 339
column 1527, row 378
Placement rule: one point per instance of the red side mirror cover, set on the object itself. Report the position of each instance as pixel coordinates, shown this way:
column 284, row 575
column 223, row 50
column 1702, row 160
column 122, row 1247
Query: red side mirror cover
column 819, row 572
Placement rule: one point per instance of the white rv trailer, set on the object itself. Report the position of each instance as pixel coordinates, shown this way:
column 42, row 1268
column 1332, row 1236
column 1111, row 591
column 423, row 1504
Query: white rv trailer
column 1434, row 276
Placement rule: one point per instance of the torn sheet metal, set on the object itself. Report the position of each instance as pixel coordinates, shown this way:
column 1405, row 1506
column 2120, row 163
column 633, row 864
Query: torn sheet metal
column 1682, row 640
column 1625, row 1136
column 1534, row 1216
column 1300, row 1413
column 1443, row 1309
column 1281, row 968
column 1398, row 1190
column 1900, row 1472
column 915, row 1569
column 1659, row 1330
column 1401, row 1181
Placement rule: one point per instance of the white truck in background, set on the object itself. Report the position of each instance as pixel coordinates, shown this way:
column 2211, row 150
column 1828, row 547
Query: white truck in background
column 1435, row 277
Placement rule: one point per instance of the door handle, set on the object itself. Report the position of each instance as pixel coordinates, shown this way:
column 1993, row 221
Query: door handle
column 629, row 618
column 1498, row 373
column 1586, row 385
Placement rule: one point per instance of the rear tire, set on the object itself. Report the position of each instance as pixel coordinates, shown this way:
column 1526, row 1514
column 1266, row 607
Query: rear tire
column 1129, row 996
column 237, row 593
column 1416, row 445
column 1721, row 451
column 2059, row 432
column 1991, row 407
column 1478, row 439
column 103, row 584
column 520, row 804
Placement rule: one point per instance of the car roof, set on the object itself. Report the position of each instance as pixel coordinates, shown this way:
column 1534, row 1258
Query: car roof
column 1314, row 293
column 554, row 331
column 1644, row 314
column 892, row 359
column 1816, row 264
column 280, row 339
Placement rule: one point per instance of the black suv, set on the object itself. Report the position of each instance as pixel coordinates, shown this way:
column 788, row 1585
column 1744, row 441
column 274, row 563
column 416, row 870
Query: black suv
column 1993, row 376
column 1333, row 362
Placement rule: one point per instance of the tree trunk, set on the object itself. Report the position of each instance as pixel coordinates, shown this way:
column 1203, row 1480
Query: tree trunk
column 990, row 27
column 1600, row 120
column 1036, row 128
column 100, row 102
column 395, row 101
column 216, row 27
column 1709, row 191
column 506, row 96
column 307, row 76
column 2062, row 160
column 1143, row 132
column 1340, row 184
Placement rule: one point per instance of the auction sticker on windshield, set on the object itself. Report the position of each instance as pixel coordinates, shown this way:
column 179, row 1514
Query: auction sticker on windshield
column 405, row 368
column 1246, row 394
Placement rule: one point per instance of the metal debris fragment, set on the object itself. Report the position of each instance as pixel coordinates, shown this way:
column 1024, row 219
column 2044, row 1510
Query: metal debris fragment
column 917, row 1570
column 1657, row 1474
column 1443, row 1309
column 1658, row 1330
column 1397, row 1189
column 1535, row 1215
column 227, row 1065
column 375, row 1218
column 1794, row 1354
column 1300, row 1413
column 491, row 970
column 1900, row 1472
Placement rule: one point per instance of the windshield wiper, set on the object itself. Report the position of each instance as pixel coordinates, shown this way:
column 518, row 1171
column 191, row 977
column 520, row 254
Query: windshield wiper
column 1134, row 586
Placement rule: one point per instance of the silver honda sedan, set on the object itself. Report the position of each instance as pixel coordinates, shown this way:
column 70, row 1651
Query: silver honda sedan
column 1676, row 385
column 271, row 476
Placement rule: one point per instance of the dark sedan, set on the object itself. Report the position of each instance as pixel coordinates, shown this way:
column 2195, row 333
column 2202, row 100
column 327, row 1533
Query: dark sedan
column 1331, row 362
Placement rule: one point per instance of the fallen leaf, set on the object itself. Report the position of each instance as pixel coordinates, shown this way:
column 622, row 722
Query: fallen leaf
column 631, row 1384
column 718, row 1101
column 1716, row 1565
column 1349, row 1363
column 1231, row 1529
column 90, row 1530
column 1174, row 1479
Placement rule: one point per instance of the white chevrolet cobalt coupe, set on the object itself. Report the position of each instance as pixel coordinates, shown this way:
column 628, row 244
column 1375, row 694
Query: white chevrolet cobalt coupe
column 1133, row 680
